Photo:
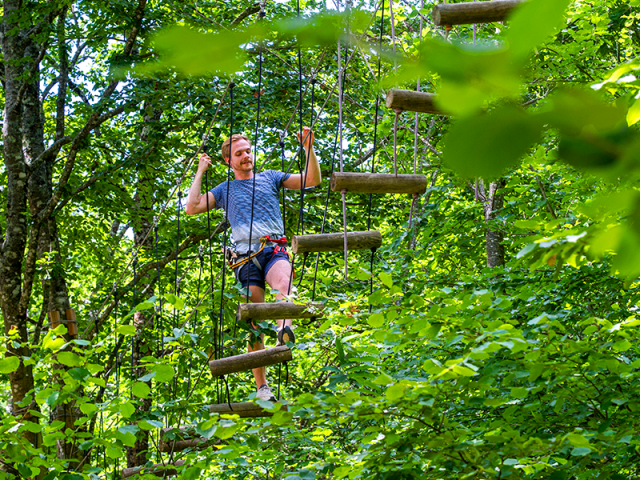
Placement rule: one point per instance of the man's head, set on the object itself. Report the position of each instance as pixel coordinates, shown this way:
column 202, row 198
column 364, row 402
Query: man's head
column 232, row 142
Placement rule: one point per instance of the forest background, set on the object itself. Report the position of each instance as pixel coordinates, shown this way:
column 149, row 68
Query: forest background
column 493, row 337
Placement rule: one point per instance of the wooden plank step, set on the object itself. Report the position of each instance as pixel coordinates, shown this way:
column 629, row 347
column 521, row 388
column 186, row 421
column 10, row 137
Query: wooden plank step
column 249, row 361
column 334, row 242
column 183, row 438
column 242, row 409
column 412, row 101
column 472, row 12
column 159, row 470
column 249, row 312
column 378, row 183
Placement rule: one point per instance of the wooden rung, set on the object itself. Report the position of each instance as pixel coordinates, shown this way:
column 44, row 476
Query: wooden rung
column 183, row 439
column 242, row 409
column 54, row 319
column 249, row 361
column 412, row 101
column 378, row 183
column 159, row 470
column 473, row 12
column 72, row 323
column 249, row 312
column 333, row 242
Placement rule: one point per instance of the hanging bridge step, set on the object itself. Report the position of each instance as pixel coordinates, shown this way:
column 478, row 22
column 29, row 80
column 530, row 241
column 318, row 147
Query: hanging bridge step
column 249, row 361
column 378, row 183
column 249, row 312
column 334, row 242
column 159, row 470
column 476, row 12
column 183, row 438
column 412, row 101
column 242, row 409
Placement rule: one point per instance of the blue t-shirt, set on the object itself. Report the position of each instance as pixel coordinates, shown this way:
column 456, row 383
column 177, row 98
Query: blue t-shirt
column 267, row 219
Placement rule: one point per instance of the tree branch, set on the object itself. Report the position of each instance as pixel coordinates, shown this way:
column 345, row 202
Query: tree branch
column 255, row 8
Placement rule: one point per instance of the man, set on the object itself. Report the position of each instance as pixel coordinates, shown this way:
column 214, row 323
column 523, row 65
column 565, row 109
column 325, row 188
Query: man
column 269, row 264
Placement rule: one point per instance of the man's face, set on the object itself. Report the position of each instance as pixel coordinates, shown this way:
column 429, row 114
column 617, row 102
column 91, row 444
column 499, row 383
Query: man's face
column 241, row 157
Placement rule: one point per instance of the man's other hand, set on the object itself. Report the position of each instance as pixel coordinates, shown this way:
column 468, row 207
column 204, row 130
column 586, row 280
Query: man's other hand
column 307, row 137
column 204, row 163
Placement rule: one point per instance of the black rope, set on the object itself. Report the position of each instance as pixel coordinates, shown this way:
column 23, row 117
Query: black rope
column 375, row 146
column 225, row 236
column 160, row 322
column 175, row 289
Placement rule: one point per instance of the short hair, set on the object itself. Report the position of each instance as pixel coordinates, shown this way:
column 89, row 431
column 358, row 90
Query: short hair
column 226, row 145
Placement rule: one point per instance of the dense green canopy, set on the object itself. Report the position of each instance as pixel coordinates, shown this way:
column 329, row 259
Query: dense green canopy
column 493, row 337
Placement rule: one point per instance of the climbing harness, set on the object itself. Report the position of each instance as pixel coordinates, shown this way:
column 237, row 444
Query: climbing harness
column 281, row 246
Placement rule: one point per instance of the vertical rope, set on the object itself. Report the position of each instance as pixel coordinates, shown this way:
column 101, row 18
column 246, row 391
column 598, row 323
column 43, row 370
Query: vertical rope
column 225, row 236
column 255, row 160
column 343, row 192
column 395, row 142
column 393, row 38
column 415, row 136
column 161, row 293
column 375, row 142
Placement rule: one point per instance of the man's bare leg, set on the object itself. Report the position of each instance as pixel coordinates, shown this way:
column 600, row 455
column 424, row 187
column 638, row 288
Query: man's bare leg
column 279, row 278
column 260, row 373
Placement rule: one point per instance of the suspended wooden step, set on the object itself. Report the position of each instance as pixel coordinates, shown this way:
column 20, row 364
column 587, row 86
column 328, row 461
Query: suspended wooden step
column 249, row 312
column 249, row 361
column 334, row 242
column 473, row 12
column 159, row 470
column 183, row 438
column 242, row 409
column 412, row 101
column 378, row 183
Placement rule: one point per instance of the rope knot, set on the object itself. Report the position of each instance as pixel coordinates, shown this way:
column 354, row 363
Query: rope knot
column 415, row 195
column 398, row 110
column 231, row 85
column 343, row 191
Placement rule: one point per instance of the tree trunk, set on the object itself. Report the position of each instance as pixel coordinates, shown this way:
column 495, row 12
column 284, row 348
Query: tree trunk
column 494, row 236
column 143, row 222
column 14, row 242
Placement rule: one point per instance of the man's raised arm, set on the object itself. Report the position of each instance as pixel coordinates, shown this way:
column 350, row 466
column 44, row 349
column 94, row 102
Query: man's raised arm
column 311, row 176
column 197, row 203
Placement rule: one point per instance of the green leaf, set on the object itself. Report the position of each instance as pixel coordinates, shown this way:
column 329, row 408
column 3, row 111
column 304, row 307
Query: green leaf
column 386, row 279
column 478, row 146
column 622, row 345
column 150, row 424
column 578, row 440
column 580, row 451
column 70, row 359
column 383, row 379
column 9, row 364
column 633, row 114
column 141, row 390
column 128, row 330
column 533, row 22
column 127, row 409
column 340, row 349
column 163, row 373
column 88, row 408
column 396, row 392
column 464, row 371
column 79, row 374
column 519, row 392
column 376, row 320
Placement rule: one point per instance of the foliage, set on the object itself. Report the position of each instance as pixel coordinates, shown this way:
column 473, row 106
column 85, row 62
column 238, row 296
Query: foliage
column 432, row 365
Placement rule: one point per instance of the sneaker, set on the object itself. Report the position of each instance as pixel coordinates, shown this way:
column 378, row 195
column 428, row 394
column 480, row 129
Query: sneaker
column 264, row 393
column 285, row 335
